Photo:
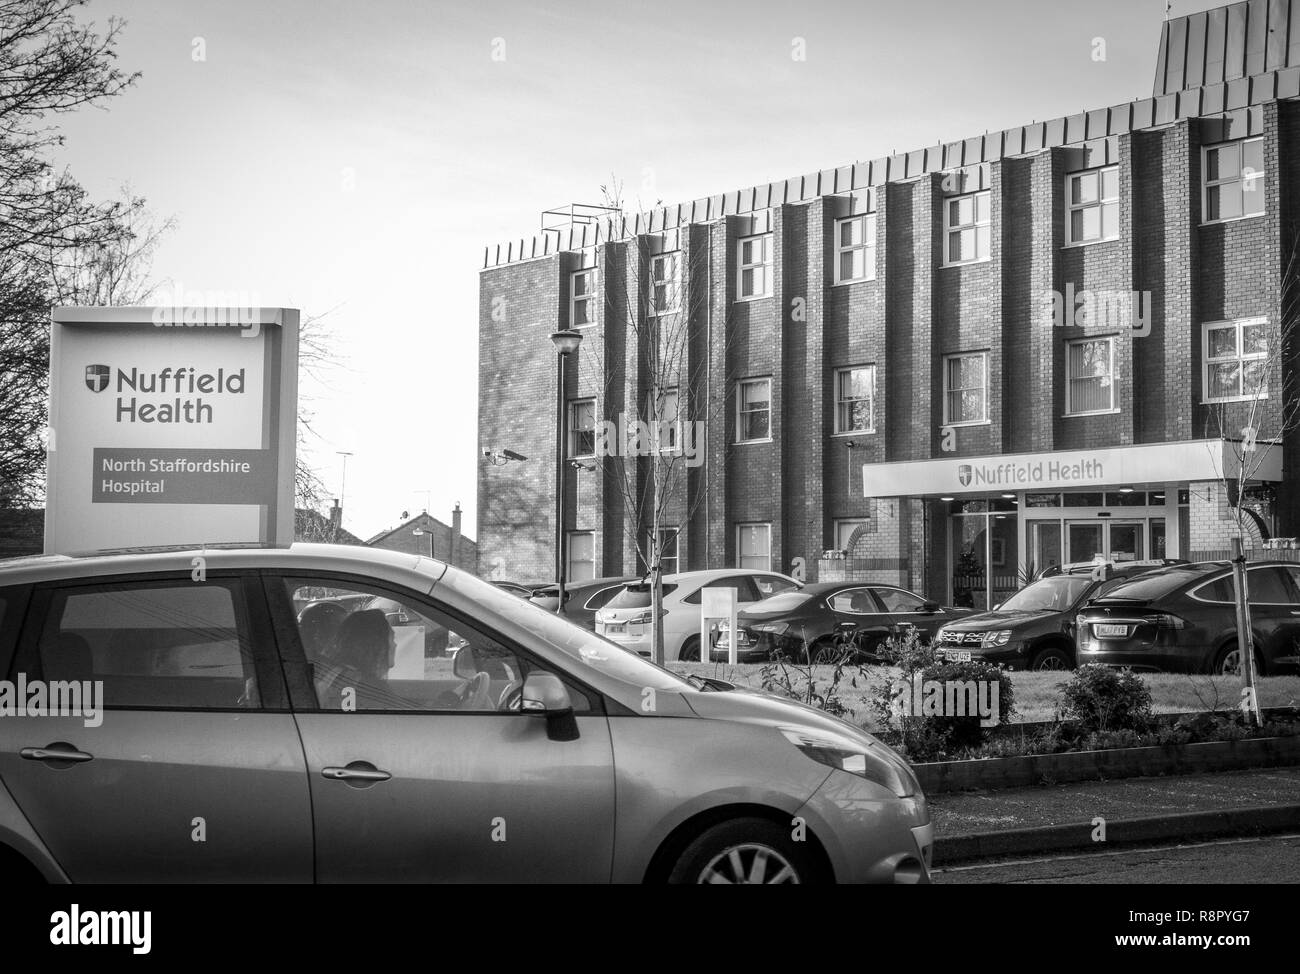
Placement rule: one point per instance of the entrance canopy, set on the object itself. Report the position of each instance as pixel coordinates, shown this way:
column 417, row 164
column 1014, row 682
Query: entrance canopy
column 1129, row 466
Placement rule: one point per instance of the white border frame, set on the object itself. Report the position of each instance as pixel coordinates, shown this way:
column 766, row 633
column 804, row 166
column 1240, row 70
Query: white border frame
column 947, row 229
column 1205, row 186
column 740, row 384
column 740, row 526
column 870, row 248
column 984, row 353
column 836, row 400
column 1205, row 359
column 768, row 248
column 588, row 298
column 1101, row 202
column 1114, row 379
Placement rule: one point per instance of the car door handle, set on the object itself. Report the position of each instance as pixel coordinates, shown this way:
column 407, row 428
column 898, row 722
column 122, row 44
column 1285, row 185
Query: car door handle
column 356, row 771
column 56, row 752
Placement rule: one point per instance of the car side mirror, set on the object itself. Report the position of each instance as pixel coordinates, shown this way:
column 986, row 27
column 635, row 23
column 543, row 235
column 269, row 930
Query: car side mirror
column 929, row 606
column 545, row 696
column 996, row 607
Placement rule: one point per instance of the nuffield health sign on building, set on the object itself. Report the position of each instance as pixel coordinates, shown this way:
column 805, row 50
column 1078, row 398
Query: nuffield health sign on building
column 171, row 426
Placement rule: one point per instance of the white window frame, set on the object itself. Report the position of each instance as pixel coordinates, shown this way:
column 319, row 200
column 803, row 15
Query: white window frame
column 569, row 574
column 1099, row 204
column 765, row 266
column 852, row 523
column 839, row 398
column 740, row 409
column 572, row 430
column 947, row 418
column 767, row 533
column 1239, row 324
column 672, row 411
column 675, row 533
column 588, row 299
column 1069, row 404
column 673, row 283
column 1206, row 184
column 949, row 229
column 867, row 246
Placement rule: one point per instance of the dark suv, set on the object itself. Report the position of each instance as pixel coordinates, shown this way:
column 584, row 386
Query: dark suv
column 1034, row 629
column 1183, row 619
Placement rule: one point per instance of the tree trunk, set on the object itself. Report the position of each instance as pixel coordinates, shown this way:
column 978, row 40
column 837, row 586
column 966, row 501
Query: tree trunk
column 1245, row 642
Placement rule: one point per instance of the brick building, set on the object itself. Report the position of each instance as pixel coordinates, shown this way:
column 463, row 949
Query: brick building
column 955, row 364
column 443, row 541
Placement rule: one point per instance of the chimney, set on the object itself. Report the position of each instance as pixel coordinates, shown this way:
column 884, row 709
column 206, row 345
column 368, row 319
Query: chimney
column 336, row 521
column 455, row 535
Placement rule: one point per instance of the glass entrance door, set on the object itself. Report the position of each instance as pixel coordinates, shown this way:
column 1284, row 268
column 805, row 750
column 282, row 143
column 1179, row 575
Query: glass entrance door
column 1124, row 541
column 1045, row 544
column 1085, row 541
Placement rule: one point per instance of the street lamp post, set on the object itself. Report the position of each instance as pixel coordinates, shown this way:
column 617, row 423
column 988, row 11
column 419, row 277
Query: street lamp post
column 566, row 342
column 419, row 532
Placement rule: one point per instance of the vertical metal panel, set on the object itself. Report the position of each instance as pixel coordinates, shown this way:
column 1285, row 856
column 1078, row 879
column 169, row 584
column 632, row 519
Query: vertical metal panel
column 1176, row 59
column 1075, row 128
column 1278, row 16
column 1261, row 87
column 716, row 210
column 1013, row 141
column 1162, row 58
column 1238, row 94
column 1035, row 136
column 1195, row 70
column 1288, row 83
column 1234, row 56
column 1213, row 99
column 843, row 179
column 993, row 146
column 1293, row 39
column 1189, row 103
column 1054, row 132
column 1095, row 124
column 1120, row 119
column 861, row 174
column 1144, row 113
column 1166, row 109
column 915, row 162
column 1216, row 34
column 1256, row 35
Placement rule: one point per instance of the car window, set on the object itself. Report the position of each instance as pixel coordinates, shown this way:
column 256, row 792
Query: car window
column 601, row 598
column 1219, row 590
column 857, row 601
column 769, row 585
column 389, row 654
column 635, row 596
column 1053, row 594
column 1268, row 586
column 178, row 645
column 898, row 600
column 745, row 591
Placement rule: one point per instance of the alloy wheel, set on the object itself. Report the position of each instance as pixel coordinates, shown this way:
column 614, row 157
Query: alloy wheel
column 750, row 862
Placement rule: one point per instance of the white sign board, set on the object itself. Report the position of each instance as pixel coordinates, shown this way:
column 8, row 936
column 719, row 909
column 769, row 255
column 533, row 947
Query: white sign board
column 171, row 427
column 717, row 603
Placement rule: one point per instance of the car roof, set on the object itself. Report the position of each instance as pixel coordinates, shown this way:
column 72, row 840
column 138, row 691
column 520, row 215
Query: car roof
column 300, row 556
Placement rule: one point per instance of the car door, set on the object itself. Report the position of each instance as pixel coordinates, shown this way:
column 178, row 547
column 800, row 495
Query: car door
column 1274, row 610
column 857, row 605
column 190, row 768
column 907, row 609
column 422, row 767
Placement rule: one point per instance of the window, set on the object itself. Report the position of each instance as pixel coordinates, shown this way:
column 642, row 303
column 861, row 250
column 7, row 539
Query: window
column 1235, row 358
column 743, row 584
column 769, row 585
column 754, row 410
column 855, row 399
column 855, row 249
column 369, row 649
column 582, row 556
column 1090, row 385
column 1232, row 180
column 582, row 298
column 967, row 229
column 665, row 284
column 855, row 601
column 582, row 428
column 1266, row 585
column 670, row 423
column 667, row 550
column 1092, row 206
column 158, row 645
column 898, row 600
column 601, row 598
column 844, row 531
column 754, row 546
column 755, row 267
column 965, row 381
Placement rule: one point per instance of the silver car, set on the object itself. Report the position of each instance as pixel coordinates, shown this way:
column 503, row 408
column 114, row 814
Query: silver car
column 339, row 714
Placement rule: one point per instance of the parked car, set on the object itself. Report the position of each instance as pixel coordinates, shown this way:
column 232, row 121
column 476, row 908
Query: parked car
column 522, row 589
column 1183, row 619
column 804, row 625
column 358, row 758
column 582, row 599
column 625, row 619
column 1074, row 567
column 1034, row 629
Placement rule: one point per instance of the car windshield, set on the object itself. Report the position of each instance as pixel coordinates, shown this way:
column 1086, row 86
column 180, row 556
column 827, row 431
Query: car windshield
column 1055, row 594
column 582, row 645
column 785, row 602
column 635, row 597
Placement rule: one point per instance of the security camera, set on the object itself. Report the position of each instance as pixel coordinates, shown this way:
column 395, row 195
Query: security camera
column 488, row 451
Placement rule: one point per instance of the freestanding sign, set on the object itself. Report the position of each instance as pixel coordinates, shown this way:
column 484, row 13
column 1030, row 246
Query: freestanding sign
column 171, row 426
column 718, row 603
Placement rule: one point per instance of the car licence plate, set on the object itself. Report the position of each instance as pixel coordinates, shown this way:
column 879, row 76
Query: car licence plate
column 616, row 628
column 957, row 655
column 1110, row 629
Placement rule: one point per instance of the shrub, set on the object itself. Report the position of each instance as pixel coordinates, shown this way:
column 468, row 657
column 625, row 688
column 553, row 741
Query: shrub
column 1100, row 699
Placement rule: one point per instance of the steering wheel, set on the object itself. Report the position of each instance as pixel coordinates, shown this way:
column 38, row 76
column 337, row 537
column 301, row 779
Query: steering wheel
column 512, row 697
column 474, row 694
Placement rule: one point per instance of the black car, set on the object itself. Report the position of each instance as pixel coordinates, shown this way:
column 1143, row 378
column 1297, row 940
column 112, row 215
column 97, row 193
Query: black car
column 804, row 626
column 1034, row 629
column 1184, row 619
column 582, row 599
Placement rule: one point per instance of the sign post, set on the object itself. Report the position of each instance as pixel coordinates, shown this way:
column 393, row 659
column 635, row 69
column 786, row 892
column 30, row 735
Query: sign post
column 718, row 603
column 171, row 426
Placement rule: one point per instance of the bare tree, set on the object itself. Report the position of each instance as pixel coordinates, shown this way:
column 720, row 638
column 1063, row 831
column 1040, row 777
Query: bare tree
column 1262, row 378
column 317, row 360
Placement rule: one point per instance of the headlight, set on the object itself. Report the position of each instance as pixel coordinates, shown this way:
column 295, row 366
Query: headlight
column 847, row 754
column 942, row 635
column 998, row 638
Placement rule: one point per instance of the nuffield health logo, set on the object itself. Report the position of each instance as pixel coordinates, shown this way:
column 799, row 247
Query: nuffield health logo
column 963, row 474
column 97, row 377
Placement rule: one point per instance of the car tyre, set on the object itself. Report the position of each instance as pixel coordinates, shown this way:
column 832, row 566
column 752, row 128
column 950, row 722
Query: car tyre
column 1227, row 661
column 690, row 651
column 1051, row 658
column 745, row 850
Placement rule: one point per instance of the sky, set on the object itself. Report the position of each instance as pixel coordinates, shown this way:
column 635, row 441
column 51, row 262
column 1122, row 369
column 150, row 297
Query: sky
column 353, row 160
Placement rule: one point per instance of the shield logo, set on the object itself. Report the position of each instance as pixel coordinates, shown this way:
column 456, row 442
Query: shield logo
column 963, row 474
column 97, row 377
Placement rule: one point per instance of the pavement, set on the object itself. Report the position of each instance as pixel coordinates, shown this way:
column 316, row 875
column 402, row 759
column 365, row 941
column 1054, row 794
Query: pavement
column 1094, row 815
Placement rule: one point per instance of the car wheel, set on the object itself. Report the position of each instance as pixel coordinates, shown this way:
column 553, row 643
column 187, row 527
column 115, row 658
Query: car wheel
column 745, row 850
column 1228, row 661
column 822, row 651
column 690, row 651
column 1051, row 658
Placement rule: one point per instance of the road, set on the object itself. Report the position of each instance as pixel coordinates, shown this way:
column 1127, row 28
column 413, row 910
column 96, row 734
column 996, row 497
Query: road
column 1271, row 859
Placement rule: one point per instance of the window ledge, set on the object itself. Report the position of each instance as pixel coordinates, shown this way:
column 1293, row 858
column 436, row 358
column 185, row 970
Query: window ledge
column 1088, row 243
column 973, row 422
column 967, row 263
column 1093, row 412
column 766, row 439
column 855, row 280
column 753, row 297
column 1231, row 399
column 870, row 432
column 1232, row 219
